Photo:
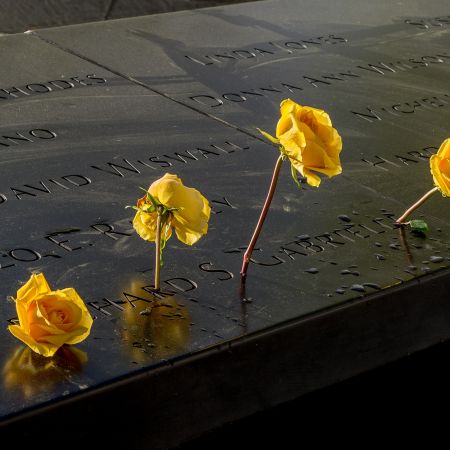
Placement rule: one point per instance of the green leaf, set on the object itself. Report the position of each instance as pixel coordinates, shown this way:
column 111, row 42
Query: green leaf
column 295, row 177
column 269, row 137
column 418, row 226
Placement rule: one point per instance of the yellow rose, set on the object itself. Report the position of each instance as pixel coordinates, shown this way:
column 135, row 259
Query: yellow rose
column 49, row 319
column 309, row 140
column 188, row 211
column 440, row 168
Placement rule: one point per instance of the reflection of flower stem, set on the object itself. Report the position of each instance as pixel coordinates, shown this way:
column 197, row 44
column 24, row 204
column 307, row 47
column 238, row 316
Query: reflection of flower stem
column 405, row 246
column 402, row 218
column 251, row 246
column 158, row 251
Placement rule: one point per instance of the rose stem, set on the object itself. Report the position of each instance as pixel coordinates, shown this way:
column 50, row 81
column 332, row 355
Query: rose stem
column 265, row 210
column 402, row 218
column 158, row 251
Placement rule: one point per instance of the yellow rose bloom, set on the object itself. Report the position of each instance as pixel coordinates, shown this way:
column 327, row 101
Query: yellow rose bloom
column 49, row 319
column 440, row 168
column 188, row 210
column 309, row 140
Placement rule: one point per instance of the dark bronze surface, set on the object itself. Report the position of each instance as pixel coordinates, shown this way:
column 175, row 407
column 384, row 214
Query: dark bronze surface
column 334, row 288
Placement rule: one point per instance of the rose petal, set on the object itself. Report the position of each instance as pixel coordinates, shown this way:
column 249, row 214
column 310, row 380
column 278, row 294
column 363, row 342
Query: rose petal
column 35, row 286
column 43, row 348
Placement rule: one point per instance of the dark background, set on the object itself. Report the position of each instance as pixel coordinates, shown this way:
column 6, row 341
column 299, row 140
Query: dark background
column 17, row 16
column 403, row 402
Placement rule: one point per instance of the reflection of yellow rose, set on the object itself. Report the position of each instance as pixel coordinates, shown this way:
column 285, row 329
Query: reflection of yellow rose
column 309, row 140
column 31, row 373
column 157, row 329
column 440, row 168
column 189, row 216
column 48, row 319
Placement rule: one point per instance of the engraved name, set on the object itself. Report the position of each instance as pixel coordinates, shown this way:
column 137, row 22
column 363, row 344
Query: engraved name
column 321, row 80
column 49, row 86
column 263, row 50
column 120, row 169
column 410, row 158
column 372, row 114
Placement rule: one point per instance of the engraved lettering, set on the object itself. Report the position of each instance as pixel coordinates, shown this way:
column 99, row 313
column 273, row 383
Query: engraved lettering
column 43, row 134
column 181, row 284
column 20, row 192
column 326, row 238
column 405, row 160
column 380, row 161
column 161, row 162
column 24, row 255
column 207, row 267
column 198, row 61
column 43, row 189
column 132, row 299
column 108, row 230
column 52, row 237
column 77, row 180
column 107, row 303
column 223, row 202
column 38, row 88
column 61, row 84
column 181, row 158
column 232, row 97
column 370, row 117
column 291, row 87
column 314, row 81
column 273, row 257
column 116, row 168
column 308, row 245
column 289, row 252
column 204, row 152
column 377, row 68
column 206, row 100
column 14, row 92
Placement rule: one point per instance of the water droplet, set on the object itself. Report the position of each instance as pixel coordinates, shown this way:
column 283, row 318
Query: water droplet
column 358, row 288
column 356, row 213
column 379, row 257
column 412, row 267
column 350, row 272
column 247, row 300
column 373, row 286
column 312, row 270
column 394, row 246
column 303, row 237
column 378, row 244
column 340, row 291
column 137, row 344
column 146, row 312
column 344, row 218
column 436, row 259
